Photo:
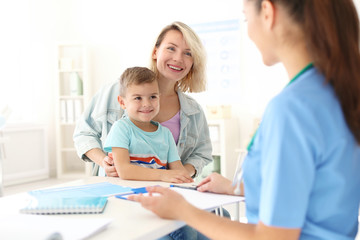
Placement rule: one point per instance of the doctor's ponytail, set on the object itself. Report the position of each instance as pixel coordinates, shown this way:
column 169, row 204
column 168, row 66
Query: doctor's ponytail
column 332, row 35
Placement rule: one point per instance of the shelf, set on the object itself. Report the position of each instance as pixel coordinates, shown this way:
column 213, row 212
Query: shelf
column 69, row 124
column 71, row 95
column 70, row 70
column 225, row 142
column 216, row 153
column 68, row 150
column 65, row 97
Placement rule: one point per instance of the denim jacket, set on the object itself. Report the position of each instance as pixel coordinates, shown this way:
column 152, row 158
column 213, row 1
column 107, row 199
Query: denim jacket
column 194, row 144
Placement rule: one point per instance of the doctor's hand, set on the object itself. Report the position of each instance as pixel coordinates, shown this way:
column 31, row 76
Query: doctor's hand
column 217, row 184
column 109, row 167
column 164, row 202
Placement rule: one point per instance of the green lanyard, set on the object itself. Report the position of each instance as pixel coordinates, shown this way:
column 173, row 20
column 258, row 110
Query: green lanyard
column 310, row 65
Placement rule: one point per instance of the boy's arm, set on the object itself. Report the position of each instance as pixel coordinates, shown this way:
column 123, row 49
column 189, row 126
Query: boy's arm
column 128, row 171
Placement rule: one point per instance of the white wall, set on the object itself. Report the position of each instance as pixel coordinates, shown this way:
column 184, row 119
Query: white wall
column 119, row 35
column 27, row 63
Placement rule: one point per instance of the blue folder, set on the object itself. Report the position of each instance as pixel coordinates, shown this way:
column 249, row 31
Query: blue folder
column 104, row 189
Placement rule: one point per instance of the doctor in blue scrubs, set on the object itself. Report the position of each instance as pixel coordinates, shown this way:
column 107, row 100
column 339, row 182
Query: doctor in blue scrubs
column 302, row 171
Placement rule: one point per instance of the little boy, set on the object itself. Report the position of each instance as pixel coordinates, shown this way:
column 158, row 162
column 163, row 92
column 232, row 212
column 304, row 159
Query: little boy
column 141, row 148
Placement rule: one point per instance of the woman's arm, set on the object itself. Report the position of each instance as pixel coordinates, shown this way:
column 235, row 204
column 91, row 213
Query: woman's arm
column 94, row 125
column 190, row 169
column 177, row 165
column 194, row 144
column 171, row 205
column 128, row 171
column 100, row 158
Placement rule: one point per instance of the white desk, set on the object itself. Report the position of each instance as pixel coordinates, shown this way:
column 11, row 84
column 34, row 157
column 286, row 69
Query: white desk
column 130, row 219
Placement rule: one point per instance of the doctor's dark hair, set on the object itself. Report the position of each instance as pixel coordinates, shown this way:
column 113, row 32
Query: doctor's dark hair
column 137, row 76
column 331, row 29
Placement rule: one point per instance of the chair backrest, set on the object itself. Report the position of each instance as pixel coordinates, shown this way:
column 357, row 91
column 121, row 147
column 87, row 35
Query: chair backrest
column 2, row 157
column 239, row 172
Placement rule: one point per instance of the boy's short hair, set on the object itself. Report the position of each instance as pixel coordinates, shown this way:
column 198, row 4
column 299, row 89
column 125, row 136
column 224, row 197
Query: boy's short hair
column 135, row 75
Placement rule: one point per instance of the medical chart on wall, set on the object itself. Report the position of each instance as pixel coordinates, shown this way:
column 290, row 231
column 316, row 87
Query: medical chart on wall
column 222, row 43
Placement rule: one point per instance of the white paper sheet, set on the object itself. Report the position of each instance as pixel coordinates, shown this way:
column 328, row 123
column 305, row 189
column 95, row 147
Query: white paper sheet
column 26, row 226
column 205, row 200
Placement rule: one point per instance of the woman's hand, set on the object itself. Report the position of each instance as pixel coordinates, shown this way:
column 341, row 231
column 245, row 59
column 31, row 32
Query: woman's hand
column 106, row 162
column 176, row 176
column 217, row 184
column 163, row 202
column 109, row 167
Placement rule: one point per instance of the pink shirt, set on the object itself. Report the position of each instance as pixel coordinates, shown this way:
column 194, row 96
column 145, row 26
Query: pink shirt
column 173, row 124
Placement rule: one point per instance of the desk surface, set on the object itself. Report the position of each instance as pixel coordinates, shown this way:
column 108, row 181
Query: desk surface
column 130, row 219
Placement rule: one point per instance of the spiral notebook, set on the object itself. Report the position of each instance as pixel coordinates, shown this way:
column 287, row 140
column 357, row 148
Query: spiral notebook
column 89, row 198
column 64, row 205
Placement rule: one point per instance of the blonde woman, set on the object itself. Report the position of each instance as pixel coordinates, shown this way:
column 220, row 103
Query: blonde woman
column 178, row 59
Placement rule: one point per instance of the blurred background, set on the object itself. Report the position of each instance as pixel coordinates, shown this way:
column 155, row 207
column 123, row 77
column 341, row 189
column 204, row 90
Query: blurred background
column 112, row 36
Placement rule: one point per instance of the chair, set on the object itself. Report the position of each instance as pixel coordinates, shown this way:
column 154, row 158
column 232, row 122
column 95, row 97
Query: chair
column 2, row 157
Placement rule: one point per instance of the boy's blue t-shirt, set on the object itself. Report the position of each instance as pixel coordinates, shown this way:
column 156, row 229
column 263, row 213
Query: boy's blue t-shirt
column 147, row 149
column 303, row 169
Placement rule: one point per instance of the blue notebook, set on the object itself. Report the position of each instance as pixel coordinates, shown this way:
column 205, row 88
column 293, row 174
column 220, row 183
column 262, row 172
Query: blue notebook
column 103, row 189
column 42, row 204
column 89, row 198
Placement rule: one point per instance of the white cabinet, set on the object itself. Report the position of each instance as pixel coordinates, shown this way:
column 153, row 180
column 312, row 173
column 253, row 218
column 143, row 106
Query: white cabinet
column 225, row 141
column 24, row 153
column 72, row 95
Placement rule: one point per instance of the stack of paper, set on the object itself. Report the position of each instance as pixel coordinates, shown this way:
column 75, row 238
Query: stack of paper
column 23, row 226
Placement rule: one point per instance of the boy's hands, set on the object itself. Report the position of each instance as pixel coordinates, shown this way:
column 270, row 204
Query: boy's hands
column 177, row 173
column 176, row 176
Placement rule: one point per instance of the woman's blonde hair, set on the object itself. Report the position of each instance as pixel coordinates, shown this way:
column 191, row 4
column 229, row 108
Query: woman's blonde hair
column 195, row 80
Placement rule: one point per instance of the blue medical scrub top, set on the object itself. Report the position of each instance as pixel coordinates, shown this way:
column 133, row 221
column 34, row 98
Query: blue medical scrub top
column 303, row 168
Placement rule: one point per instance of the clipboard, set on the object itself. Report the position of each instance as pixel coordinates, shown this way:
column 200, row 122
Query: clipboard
column 202, row 200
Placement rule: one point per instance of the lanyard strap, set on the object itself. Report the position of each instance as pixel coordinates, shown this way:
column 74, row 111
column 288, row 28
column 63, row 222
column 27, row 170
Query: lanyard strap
column 307, row 67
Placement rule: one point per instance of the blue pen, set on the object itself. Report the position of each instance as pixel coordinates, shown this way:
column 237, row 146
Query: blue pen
column 133, row 191
column 185, row 187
